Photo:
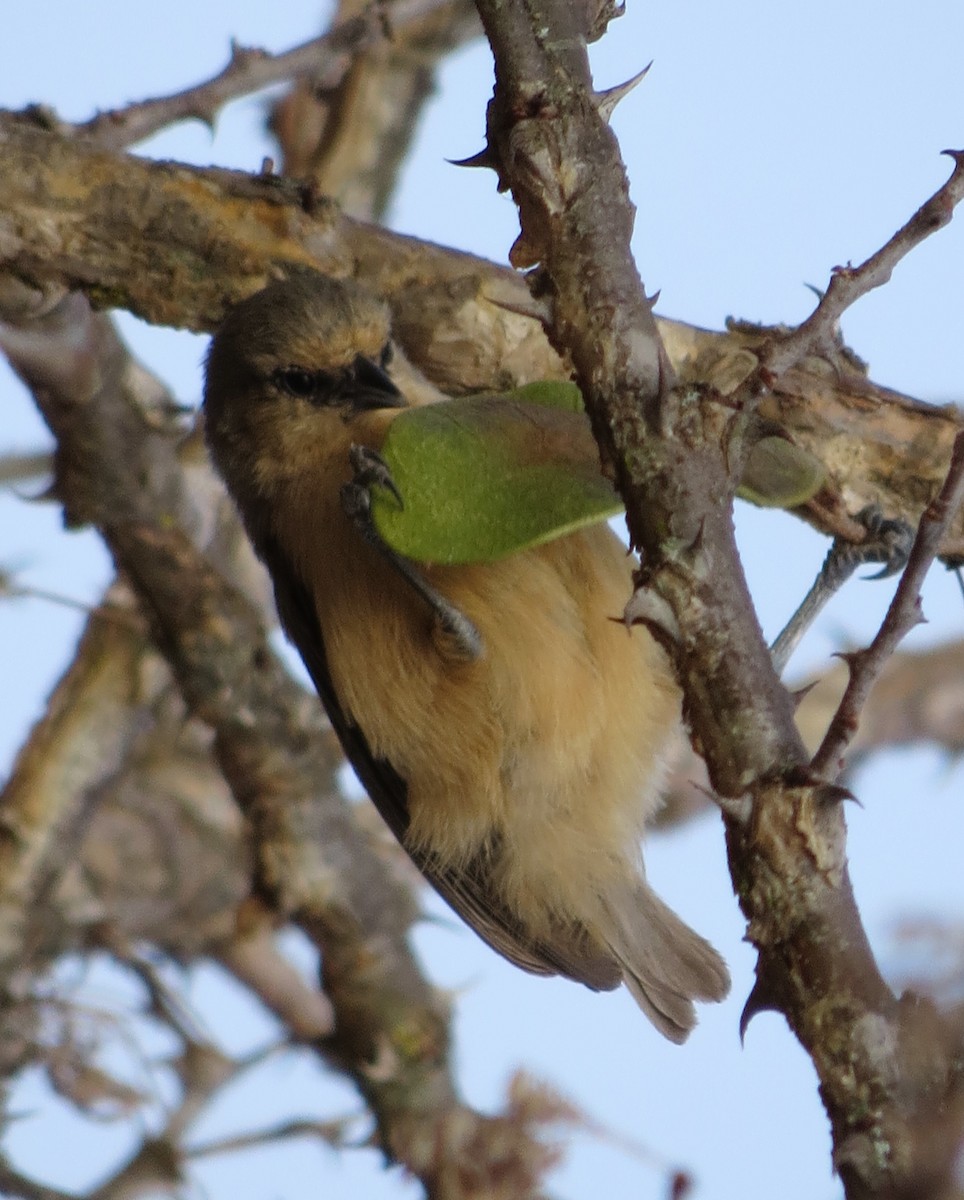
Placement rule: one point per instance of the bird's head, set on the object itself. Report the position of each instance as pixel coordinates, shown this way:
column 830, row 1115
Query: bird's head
column 293, row 365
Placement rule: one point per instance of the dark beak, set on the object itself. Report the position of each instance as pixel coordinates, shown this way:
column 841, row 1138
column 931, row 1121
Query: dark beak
column 373, row 388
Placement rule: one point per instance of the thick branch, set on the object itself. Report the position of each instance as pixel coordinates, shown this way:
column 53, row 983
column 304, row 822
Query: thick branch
column 558, row 155
column 350, row 140
column 676, row 452
column 174, row 244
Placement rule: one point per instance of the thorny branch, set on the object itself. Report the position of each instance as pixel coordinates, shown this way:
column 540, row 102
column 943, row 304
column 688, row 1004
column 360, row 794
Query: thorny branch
column 903, row 614
column 314, row 862
column 848, row 284
column 674, row 451
column 173, row 244
column 324, row 59
column 918, row 699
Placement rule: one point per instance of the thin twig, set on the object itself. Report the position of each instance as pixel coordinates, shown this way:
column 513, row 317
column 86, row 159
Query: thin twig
column 20, row 468
column 100, row 612
column 325, row 58
column 166, row 1004
column 848, row 284
column 333, row 1132
column 904, row 613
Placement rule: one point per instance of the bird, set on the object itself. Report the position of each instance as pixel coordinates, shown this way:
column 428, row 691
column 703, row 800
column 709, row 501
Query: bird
column 511, row 731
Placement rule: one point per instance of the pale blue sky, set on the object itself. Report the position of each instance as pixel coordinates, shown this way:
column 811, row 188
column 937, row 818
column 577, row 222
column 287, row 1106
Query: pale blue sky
column 765, row 146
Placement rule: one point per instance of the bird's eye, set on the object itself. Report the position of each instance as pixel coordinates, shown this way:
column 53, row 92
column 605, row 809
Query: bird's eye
column 386, row 355
column 296, row 381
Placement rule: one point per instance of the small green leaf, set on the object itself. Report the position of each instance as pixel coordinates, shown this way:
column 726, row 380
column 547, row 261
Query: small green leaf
column 779, row 474
column 483, row 477
column 550, row 394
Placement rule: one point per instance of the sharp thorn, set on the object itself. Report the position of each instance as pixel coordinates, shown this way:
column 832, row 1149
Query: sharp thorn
column 850, row 658
column 484, row 158
column 760, row 999
column 835, row 793
column 798, row 695
column 606, row 102
column 511, row 299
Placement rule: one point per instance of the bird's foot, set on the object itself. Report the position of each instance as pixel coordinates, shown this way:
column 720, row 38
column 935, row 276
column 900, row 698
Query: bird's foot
column 455, row 636
column 369, row 470
column 888, row 542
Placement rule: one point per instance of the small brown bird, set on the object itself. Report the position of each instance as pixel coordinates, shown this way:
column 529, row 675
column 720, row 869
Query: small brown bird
column 510, row 732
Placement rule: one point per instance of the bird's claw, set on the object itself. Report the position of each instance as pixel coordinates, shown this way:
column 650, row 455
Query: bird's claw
column 888, row 541
column 455, row 635
column 370, row 470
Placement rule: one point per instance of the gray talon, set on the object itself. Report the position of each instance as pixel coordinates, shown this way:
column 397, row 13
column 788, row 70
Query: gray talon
column 889, row 542
column 371, row 470
column 462, row 640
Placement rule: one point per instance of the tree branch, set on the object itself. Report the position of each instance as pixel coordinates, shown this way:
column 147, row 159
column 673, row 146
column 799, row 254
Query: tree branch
column 351, row 140
column 325, row 59
column 676, row 453
column 175, row 244
column 902, row 615
column 848, row 284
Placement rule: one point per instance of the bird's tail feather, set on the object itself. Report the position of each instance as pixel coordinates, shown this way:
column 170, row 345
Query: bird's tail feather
column 665, row 964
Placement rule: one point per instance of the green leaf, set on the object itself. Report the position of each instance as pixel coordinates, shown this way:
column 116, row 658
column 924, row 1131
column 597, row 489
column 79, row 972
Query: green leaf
column 779, row 474
column 550, row 394
column 483, row 477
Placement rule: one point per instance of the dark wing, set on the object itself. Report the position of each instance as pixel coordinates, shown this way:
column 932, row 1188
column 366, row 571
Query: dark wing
column 467, row 891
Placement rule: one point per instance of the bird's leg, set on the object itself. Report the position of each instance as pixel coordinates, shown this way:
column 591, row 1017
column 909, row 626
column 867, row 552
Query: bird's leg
column 459, row 636
column 888, row 542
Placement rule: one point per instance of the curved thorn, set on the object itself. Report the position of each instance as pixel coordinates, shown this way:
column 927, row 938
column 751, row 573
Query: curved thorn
column 835, row 793
column 484, row 158
column 606, row 101
column 760, row 999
